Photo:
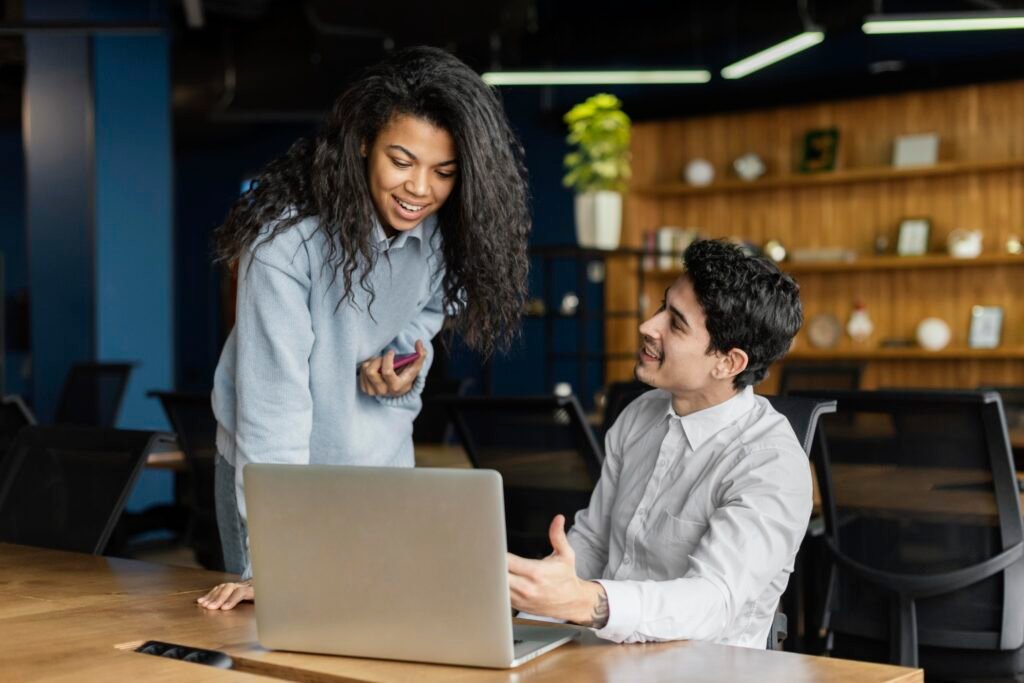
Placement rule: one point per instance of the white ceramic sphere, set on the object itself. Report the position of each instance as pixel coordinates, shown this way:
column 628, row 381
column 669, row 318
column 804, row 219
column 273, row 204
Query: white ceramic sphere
column 700, row 172
column 933, row 334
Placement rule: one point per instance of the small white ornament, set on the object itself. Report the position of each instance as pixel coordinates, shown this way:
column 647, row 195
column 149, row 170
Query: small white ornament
column 933, row 334
column 699, row 172
column 749, row 166
column 859, row 326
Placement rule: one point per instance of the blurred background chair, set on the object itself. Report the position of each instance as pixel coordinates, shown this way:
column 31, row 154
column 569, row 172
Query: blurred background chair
column 92, row 393
column 433, row 424
column 617, row 397
column 923, row 521
column 546, row 453
column 809, row 377
column 191, row 418
column 14, row 415
column 64, row 487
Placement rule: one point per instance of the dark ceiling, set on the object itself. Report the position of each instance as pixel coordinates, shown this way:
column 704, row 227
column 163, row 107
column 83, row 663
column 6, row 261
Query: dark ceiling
column 278, row 60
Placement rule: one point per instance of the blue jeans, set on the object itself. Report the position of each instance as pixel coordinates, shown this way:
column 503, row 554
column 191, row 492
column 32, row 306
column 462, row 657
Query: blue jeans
column 233, row 534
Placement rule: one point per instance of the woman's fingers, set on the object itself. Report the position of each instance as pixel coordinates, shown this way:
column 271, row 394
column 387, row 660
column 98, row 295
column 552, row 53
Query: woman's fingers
column 227, row 595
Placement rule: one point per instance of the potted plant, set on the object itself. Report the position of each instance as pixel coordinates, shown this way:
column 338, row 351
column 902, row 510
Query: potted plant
column 598, row 168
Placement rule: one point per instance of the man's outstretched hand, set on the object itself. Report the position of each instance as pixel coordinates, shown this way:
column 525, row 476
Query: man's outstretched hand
column 550, row 587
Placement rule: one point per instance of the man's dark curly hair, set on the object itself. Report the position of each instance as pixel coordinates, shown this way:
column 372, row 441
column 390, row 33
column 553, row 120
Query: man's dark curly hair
column 748, row 304
column 484, row 223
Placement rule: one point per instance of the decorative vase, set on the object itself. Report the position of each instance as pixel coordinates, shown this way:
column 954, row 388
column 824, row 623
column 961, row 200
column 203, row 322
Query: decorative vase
column 599, row 219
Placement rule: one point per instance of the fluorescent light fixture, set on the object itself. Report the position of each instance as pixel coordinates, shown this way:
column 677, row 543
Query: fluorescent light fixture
column 935, row 23
column 773, row 54
column 596, row 77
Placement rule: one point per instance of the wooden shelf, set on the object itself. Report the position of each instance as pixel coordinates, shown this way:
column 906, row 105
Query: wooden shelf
column 841, row 177
column 912, row 353
column 932, row 261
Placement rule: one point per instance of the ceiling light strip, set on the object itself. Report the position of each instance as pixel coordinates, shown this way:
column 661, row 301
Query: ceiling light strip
column 773, row 54
column 936, row 23
column 509, row 78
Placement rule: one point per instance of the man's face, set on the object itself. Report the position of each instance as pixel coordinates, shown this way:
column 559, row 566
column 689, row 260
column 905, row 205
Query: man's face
column 674, row 342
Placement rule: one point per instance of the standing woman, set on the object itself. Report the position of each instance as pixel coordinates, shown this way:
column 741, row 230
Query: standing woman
column 408, row 205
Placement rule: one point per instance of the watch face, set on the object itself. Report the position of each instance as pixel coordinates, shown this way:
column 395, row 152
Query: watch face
column 824, row 331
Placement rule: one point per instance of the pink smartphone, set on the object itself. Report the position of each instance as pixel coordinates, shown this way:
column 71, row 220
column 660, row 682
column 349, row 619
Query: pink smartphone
column 401, row 360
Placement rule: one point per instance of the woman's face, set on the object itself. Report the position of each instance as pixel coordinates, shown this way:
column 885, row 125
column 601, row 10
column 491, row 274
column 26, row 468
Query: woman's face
column 411, row 171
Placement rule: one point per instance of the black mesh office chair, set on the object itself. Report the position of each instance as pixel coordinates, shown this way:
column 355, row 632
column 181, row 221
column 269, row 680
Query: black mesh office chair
column 618, row 396
column 433, row 424
column 546, row 454
column 811, row 377
column 191, row 417
column 923, row 521
column 92, row 393
column 65, row 487
column 804, row 414
column 14, row 415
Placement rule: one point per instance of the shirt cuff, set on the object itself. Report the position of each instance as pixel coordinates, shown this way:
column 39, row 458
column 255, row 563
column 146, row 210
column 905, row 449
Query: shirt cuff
column 624, row 610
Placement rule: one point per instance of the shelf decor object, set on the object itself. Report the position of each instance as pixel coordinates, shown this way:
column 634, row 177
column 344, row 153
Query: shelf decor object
column 598, row 168
column 963, row 243
column 821, row 150
column 913, row 237
column 986, row 327
column 915, row 150
column 933, row 334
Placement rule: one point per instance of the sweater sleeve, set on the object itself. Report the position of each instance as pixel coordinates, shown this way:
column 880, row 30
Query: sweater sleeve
column 274, row 340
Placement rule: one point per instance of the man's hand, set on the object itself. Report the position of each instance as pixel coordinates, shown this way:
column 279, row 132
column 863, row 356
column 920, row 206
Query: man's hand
column 377, row 376
column 226, row 595
column 550, row 587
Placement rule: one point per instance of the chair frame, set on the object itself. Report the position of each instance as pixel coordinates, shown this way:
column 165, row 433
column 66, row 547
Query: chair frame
column 908, row 588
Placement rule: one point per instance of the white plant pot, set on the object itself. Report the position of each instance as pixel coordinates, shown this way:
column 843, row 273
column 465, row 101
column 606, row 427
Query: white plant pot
column 599, row 219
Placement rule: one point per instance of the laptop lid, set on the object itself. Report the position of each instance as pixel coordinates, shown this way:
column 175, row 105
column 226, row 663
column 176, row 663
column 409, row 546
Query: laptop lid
column 391, row 563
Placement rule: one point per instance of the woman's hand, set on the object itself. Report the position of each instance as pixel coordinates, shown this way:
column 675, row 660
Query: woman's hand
column 227, row 595
column 377, row 376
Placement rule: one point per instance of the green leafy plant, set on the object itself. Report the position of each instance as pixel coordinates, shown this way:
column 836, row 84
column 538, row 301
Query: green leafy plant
column 599, row 130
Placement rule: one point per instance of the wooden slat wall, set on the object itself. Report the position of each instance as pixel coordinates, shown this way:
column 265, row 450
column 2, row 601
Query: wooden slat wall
column 975, row 123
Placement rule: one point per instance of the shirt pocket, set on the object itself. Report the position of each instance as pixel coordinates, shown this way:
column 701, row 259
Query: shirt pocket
column 671, row 545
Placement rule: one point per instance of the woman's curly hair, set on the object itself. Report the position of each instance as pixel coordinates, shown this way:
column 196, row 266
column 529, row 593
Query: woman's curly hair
column 484, row 223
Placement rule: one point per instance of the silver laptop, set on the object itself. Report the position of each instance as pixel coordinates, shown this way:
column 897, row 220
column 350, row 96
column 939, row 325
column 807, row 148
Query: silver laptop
column 390, row 563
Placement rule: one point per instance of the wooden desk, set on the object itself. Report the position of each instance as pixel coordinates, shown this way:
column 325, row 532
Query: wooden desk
column 78, row 618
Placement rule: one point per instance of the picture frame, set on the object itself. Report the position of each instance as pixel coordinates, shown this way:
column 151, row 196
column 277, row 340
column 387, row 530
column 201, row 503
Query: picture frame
column 986, row 327
column 915, row 150
column 820, row 150
column 913, row 237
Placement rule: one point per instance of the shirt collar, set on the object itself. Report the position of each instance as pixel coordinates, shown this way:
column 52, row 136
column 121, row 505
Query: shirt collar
column 381, row 238
column 703, row 424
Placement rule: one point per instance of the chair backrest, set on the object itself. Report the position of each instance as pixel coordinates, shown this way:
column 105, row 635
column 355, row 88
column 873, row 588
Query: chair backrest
column 92, row 393
column 545, row 452
column 618, row 396
column 1013, row 404
column 803, row 413
column 433, row 424
column 191, row 417
column 923, row 517
column 810, row 377
column 64, row 487
column 14, row 415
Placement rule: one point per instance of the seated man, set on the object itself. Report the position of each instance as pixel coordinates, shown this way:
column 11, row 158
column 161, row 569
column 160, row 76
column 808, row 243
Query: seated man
column 705, row 493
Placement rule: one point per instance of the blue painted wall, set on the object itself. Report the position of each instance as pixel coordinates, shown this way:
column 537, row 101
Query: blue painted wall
column 134, row 241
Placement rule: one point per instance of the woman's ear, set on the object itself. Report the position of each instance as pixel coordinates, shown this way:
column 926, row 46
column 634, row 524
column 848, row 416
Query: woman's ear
column 362, row 149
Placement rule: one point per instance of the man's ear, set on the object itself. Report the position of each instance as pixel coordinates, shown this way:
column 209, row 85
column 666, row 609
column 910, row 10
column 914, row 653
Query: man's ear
column 731, row 364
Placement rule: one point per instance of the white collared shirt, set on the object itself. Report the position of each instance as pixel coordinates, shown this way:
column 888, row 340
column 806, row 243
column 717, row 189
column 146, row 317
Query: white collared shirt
column 696, row 520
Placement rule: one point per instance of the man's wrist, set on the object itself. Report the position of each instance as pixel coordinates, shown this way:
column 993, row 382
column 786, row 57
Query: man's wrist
column 594, row 611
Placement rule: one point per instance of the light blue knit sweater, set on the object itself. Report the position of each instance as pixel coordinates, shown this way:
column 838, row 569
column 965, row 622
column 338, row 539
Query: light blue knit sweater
column 286, row 390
